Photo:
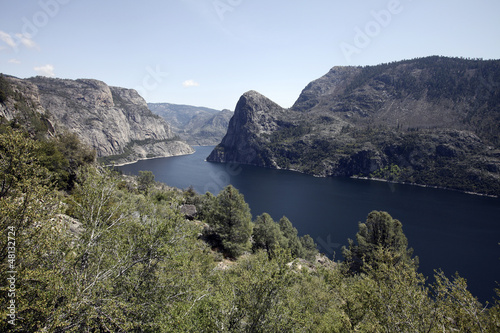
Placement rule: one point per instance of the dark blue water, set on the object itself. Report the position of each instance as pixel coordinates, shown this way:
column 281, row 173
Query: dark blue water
column 449, row 230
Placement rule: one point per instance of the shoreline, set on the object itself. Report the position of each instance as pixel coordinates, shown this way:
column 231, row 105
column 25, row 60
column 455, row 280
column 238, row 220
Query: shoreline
column 426, row 186
column 322, row 176
column 145, row 159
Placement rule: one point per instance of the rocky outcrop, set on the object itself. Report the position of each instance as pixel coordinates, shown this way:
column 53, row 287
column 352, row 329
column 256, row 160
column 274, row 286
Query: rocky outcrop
column 115, row 121
column 197, row 125
column 431, row 121
column 255, row 118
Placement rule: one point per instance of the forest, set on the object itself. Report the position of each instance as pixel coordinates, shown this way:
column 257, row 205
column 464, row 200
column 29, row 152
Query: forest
column 86, row 249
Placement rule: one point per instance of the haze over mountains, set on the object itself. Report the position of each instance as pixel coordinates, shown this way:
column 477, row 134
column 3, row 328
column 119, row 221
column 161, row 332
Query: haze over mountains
column 432, row 121
column 196, row 125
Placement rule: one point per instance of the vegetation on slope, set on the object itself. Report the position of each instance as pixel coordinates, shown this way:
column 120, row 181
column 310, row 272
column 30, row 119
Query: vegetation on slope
column 433, row 121
column 115, row 254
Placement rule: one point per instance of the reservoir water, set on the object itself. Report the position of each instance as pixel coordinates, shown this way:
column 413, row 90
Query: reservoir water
column 450, row 230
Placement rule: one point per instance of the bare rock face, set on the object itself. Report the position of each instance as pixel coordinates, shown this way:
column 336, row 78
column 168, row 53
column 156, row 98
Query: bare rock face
column 255, row 118
column 431, row 121
column 18, row 87
column 115, row 121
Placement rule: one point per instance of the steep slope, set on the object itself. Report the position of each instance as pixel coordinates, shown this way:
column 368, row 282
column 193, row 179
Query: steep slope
column 197, row 125
column 115, row 121
column 433, row 92
column 256, row 117
column 432, row 121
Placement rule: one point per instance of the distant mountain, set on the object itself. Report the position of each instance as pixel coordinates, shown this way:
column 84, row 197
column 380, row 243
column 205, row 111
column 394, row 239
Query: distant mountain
column 115, row 121
column 432, row 121
column 197, row 125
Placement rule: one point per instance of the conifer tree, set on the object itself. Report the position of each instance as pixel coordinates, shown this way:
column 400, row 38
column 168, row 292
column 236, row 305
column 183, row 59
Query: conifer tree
column 267, row 234
column 379, row 231
column 232, row 221
column 309, row 246
column 291, row 236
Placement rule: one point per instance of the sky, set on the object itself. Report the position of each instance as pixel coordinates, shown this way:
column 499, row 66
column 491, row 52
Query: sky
column 209, row 52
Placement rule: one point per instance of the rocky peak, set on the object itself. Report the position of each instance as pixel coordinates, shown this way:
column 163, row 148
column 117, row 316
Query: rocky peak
column 256, row 112
column 410, row 121
column 255, row 118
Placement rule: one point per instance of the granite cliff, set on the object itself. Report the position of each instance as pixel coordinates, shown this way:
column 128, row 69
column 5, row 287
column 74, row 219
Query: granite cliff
column 114, row 121
column 431, row 121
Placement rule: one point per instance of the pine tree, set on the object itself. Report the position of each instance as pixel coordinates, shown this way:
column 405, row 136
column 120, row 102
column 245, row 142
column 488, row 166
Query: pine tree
column 310, row 248
column 291, row 235
column 267, row 234
column 379, row 231
column 232, row 221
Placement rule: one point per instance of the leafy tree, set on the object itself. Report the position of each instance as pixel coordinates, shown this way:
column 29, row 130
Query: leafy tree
column 136, row 266
column 494, row 314
column 232, row 222
column 146, row 179
column 54, row 160
column 252, row 296
column 309, row 246
column 267, row 234
column 390, row 297
column 457, row 309
column 206, row 206
column 28, row 205
column 75, row 151
column 291, row 236
column 379, row 230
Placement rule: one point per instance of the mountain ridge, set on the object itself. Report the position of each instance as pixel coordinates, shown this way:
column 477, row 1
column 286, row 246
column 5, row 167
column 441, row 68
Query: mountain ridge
column 196, row 125
column 429, row 121
column 114, row 121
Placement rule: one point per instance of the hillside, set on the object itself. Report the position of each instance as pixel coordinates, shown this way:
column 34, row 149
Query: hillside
column 196, row 125
column 432, row 121
column 115, row 253
column 114, row 121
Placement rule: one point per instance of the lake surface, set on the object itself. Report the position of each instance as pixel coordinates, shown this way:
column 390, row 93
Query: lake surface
column 449, row 230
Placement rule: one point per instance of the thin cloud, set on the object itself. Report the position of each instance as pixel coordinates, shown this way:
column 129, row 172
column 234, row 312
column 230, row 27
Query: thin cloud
column 46, row 70
column 7, row 39
column 26, row 41
column 190, row 83
column 14, row 40
column 14, row 61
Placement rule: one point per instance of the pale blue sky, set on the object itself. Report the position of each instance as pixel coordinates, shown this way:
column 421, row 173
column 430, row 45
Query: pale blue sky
column 209, row 52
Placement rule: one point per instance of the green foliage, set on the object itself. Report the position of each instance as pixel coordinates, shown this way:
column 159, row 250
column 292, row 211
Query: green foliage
column 5, row 89
column 310, row 249
column 74, row 150
column 391, row 297
column 113, row 259
column 379, row 231
column 232, row 222
column 27, row 207
column 61, row 155
column 289, row 132
column 458, row 309
column 252, row 296
column 391, row 172
column 267, row 234
column 291, row 237
column 146, row 179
